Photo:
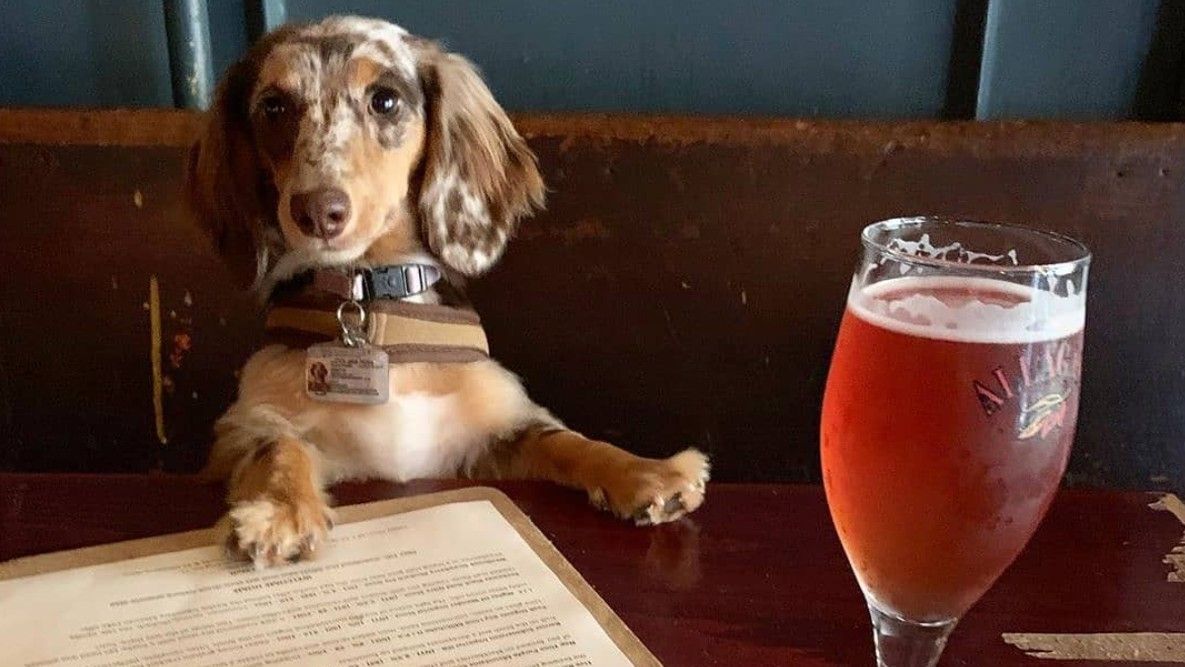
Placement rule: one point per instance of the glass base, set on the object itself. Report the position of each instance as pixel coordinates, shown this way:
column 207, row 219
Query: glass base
column 902, row 643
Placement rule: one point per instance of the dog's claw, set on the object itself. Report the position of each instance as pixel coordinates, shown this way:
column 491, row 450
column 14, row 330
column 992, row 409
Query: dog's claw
column 657, row 491
column 674, row 503
column 641, row 516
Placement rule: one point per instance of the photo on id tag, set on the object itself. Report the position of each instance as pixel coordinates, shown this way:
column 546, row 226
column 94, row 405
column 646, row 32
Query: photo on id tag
column 336, row 373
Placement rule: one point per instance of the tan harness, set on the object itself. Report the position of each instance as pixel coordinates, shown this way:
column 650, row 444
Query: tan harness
column 408, row 332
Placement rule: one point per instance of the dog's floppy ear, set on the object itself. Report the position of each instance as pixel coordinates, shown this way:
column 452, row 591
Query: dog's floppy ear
column 223, row 178
column 479, row 177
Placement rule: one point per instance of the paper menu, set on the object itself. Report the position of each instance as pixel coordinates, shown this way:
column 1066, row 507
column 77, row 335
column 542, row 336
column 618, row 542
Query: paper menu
column 459, row 578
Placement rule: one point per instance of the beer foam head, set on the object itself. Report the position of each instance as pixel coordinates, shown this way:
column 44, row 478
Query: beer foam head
column 1016, row 314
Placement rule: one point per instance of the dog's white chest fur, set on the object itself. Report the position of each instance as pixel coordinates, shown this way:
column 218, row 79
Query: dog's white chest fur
column 412, row 435
column 439, row 419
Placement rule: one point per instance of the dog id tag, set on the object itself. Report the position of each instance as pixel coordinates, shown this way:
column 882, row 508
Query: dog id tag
column 350, row 370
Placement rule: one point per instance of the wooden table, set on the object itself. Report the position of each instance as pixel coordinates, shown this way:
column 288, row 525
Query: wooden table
column 756, row 577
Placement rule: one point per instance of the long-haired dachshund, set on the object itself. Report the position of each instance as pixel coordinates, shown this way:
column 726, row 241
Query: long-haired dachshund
column 349, row 164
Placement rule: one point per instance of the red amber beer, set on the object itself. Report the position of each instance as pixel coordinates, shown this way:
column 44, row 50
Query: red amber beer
column 947, row 420
column 942, row 447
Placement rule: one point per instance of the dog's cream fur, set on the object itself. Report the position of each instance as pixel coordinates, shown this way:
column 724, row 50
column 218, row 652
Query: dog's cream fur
column 443, row 178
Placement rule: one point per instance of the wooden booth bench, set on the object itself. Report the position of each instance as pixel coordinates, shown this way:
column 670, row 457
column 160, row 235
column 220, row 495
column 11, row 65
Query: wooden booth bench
column 683, row 287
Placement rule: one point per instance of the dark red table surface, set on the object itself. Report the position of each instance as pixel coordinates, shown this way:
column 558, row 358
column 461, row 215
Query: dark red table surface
column 755, row 577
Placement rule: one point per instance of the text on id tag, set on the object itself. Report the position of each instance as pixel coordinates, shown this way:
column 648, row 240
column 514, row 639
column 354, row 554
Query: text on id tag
column 337, row 373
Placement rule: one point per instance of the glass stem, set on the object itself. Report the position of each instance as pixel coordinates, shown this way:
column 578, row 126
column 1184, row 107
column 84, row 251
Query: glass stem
column 902, row 643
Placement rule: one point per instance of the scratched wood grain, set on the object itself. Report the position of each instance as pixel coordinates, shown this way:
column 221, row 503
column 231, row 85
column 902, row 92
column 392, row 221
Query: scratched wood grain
column 755, row 577
column 683, row 287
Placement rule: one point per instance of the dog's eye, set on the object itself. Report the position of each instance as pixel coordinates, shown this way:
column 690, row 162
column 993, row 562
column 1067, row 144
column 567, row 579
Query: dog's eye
column 273, row 106
column 384, row 101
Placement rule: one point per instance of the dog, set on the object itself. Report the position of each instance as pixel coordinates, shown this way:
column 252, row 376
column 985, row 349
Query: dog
column 349, row 147
column 319, row 378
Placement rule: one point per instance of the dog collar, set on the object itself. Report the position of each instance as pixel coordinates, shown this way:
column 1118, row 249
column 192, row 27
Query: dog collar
column 304, row 312
column 395, row 281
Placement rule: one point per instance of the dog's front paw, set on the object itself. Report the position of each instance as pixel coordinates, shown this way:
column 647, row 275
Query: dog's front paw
column 270, row 532
column 650, row 491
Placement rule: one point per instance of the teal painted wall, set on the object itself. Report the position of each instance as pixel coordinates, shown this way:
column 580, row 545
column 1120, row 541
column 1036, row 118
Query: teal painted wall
column 83, row 53
column 805, row 58
column 228, row 32
column 1064, row 58
column 99, row 53
column 1078, row 59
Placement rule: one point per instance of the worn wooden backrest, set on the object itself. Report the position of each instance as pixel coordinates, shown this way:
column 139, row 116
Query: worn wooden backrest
column 683, row 287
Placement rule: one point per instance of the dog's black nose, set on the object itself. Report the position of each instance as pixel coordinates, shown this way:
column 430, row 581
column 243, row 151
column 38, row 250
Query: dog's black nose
column 322, row 212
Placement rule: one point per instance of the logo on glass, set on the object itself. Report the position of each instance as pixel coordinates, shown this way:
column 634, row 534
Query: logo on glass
column 1038, row 387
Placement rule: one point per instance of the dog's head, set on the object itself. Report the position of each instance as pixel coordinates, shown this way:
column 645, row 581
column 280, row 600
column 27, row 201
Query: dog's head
column 352, row 141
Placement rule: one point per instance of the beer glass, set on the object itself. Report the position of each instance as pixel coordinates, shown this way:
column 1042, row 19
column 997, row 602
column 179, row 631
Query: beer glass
column 949, row 411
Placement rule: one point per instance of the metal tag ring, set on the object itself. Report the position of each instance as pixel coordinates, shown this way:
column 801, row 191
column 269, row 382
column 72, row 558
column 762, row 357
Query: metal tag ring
column 359, row 311
column 352, row 335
